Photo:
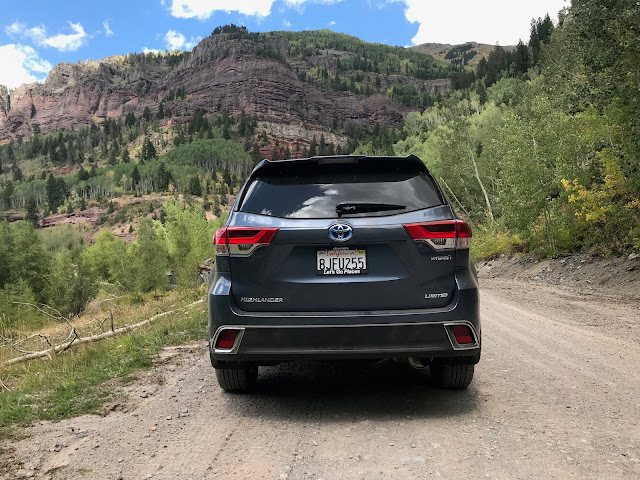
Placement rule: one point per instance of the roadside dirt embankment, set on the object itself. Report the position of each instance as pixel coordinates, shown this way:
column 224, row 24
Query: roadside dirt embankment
column 587, row 273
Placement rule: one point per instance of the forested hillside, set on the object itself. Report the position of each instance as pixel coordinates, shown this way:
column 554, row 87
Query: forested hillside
column 540, row 148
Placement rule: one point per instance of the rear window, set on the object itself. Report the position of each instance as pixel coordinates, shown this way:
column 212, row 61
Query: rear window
column 314, row 191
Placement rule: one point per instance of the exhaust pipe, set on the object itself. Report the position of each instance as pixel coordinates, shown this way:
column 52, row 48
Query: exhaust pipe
column 419, row 363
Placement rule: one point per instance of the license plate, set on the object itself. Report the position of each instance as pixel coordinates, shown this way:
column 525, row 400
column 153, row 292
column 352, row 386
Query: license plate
column 341, row 261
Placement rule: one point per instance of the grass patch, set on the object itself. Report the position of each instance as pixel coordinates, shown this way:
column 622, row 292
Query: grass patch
column 69, row 385
column 491, row 241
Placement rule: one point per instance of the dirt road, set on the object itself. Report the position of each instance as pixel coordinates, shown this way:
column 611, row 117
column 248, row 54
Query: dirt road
column 557, row 395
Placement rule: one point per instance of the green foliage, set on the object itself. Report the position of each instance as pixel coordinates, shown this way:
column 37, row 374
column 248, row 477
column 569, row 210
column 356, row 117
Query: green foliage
column 16, row 312
column 556, row 151
column 108, row 261
column 28, row 259
column 61, row 238
column 147, row 258
column 188, row 239
column 194, row 186
column 70, row 284
column 214, row 154
column 490, row 241
column 369, row 57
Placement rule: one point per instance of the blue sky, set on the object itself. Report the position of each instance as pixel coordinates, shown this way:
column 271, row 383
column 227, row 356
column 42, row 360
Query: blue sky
column 37, row 34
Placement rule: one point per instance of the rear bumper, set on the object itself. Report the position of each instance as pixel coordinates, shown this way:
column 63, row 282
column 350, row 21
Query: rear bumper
column 265, row 337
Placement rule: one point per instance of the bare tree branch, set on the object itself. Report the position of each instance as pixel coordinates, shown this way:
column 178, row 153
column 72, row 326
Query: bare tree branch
column 4, row 386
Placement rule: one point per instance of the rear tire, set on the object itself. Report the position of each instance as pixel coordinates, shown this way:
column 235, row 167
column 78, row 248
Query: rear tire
column 453, row 377
column 237, row 379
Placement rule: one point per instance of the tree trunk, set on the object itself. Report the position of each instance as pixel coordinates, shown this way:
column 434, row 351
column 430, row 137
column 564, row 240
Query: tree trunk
column 484, row 191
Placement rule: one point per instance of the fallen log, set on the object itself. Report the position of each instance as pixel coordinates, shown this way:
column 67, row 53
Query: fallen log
column 50, row 352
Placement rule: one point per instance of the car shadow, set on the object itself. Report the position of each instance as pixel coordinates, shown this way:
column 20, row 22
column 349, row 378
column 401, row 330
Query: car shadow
column 335, row 391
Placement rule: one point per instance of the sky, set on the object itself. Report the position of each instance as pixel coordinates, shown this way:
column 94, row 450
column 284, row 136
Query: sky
column 37, row 34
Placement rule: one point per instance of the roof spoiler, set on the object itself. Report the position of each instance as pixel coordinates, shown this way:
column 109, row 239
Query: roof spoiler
column 338, row 159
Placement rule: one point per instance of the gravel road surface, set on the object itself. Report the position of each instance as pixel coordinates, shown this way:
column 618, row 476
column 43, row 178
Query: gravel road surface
column 556, row 395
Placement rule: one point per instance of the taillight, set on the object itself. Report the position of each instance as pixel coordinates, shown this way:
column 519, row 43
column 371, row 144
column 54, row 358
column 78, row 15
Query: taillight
column 220, row 242
column 443, row 235
column 242, row 241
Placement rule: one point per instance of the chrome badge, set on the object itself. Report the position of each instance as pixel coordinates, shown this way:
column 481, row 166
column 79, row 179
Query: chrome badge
column 340, row 232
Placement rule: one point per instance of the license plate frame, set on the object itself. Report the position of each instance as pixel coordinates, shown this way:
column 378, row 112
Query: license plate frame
column 341, row 261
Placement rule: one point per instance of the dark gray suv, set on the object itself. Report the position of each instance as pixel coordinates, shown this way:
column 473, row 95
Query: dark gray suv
column 343, row 257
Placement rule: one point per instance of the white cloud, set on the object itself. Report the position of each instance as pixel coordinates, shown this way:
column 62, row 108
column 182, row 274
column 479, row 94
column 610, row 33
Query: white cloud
column 107, row 31
column 65, row 42
column 150, row 50
column 177, row 41
column 68, row 42
column 493, row 21
column 287, row 23
column 15, row 28
column 21, row 64
column 202, row 9
column 332, row 23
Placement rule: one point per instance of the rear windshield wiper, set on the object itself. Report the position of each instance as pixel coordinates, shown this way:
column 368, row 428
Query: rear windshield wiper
column 347, row 208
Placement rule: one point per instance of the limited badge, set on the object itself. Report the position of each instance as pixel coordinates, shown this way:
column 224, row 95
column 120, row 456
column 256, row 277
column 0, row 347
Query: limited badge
column 430, row 296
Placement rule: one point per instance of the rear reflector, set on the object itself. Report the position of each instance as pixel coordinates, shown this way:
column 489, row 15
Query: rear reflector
column 463, row 334
column 242, row 241
column 447, row 234
column 226, row 339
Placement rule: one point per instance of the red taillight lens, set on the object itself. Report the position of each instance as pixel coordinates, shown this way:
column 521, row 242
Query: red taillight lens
column 244, row 235
column 220, row 241
column 242, row 241
column 441, row 235
column 226, row 339
column 463, row 334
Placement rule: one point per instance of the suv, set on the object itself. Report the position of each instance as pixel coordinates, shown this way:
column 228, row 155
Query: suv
column 343, row 257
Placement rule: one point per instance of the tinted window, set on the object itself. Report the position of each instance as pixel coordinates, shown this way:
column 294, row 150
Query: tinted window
column 314, row 191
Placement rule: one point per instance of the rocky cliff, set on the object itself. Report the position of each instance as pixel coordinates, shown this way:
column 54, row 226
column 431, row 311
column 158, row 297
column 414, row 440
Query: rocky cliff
column 224, row 72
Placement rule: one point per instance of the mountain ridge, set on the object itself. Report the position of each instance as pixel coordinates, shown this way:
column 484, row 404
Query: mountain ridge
column 316, row 80
column 455, row 53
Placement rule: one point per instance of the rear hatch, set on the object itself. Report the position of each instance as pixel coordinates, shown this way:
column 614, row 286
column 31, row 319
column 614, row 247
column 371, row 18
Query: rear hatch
column 340, row 237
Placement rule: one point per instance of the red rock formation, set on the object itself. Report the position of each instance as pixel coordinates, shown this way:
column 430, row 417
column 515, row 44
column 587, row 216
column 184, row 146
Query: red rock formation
column 221, row 73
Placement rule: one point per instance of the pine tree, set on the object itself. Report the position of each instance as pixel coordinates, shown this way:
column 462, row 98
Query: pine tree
column 135, row 175
column 312, row 147
column 522, row 58
column 195, row 188
column 146, row 113
column 125, row 155
column 56, row 192
column 148, row 150
column 17, row 173
column 83, row 175
column 31, row 215
column 482, row 93
column 161, row 110
column 163, row 177
column 130, row 120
